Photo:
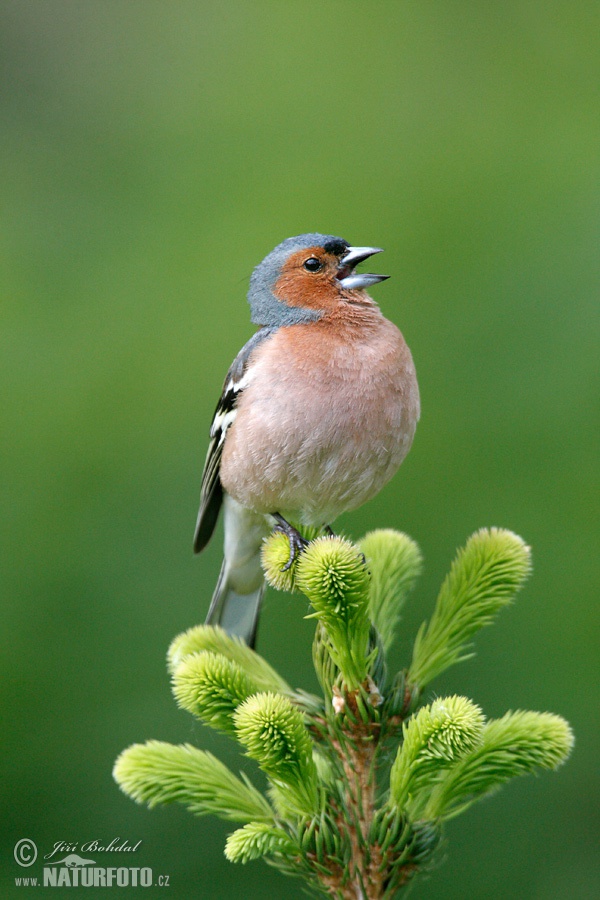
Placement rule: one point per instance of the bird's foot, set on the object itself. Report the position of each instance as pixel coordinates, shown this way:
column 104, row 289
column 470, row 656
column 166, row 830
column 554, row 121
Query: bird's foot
column 297, row 542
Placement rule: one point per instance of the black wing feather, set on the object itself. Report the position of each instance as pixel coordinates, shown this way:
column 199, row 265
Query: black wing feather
column 211, row 492
column 211, row 497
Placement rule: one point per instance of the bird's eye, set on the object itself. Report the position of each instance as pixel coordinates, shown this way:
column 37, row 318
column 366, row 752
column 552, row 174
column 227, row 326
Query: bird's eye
column 313, row 264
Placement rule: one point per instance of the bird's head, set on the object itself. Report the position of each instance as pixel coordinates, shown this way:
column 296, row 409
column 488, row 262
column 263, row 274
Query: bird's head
column 306, row 277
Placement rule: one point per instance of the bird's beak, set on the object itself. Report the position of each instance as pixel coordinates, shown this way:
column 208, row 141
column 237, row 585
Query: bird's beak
column 348, row 278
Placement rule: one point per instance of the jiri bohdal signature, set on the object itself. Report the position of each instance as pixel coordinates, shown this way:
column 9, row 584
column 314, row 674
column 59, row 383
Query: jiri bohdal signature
column 117, row 845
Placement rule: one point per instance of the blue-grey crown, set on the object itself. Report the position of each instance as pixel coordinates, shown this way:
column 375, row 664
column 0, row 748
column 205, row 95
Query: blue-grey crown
column 266, row 308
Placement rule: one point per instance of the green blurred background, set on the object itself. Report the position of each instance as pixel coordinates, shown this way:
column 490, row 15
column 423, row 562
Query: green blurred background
column 152, row 154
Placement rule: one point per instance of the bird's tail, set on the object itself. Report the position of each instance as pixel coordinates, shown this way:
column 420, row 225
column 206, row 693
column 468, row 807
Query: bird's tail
column 236, row 602
column 235, row 612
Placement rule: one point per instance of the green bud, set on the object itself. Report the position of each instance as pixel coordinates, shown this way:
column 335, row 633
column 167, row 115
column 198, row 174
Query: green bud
column 516, row 744
column 395, row 562
column 484, row 577
column 157, row 772
column 274, row 557
column 434, row 738
column 332, row 574
column 211, row 687
column 272, row 731
column 215, row 639
column 258, row 839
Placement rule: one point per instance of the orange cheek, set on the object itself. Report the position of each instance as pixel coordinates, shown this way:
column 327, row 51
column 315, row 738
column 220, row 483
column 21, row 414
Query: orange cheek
column 297, row 287
column 309, row 291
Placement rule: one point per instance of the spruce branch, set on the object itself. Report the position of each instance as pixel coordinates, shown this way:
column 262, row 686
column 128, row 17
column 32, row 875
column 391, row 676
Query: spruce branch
column 273, row 732
column 216, row 640
column 395, row 563
column 156, row 773
column 518, row 743
column 485, row 576
column 434, row 738
column 211, row 687
column 274, row 558
column 334, row 812
column 257, row 839
column 332, row 574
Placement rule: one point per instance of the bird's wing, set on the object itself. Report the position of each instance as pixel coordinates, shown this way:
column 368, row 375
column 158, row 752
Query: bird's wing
column 211, row 492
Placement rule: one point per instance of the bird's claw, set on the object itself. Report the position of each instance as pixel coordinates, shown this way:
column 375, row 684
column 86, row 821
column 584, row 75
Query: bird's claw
column 297, row 542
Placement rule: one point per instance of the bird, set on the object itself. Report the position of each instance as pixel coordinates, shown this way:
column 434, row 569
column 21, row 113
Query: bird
column 317, row 412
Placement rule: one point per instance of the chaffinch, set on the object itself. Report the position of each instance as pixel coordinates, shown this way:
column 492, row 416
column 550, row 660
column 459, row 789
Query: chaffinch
column 317, row 412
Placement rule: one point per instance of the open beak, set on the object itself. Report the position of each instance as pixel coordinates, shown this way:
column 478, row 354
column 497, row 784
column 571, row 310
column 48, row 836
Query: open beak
column 348, row 278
